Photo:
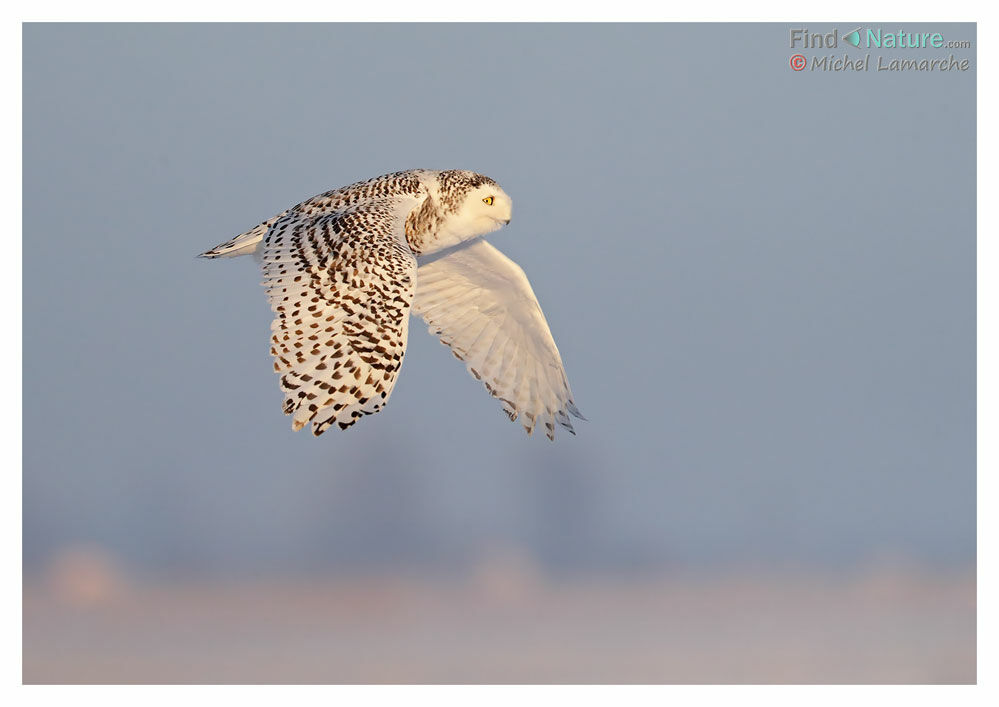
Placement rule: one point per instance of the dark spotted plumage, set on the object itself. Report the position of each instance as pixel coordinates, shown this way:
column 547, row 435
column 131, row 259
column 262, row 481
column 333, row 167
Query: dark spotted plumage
column 341, row 275
column 341, row 285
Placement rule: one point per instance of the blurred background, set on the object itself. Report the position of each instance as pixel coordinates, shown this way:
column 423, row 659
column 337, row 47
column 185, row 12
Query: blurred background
column 761, row 281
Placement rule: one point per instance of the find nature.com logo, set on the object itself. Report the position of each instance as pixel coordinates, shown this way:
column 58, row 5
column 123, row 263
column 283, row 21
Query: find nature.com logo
column 874, row 38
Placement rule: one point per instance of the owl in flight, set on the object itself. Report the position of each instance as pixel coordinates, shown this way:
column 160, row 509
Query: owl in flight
column 345, row 269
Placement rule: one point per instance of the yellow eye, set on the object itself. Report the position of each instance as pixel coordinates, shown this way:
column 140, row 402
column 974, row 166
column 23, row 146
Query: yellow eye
column 488, row 201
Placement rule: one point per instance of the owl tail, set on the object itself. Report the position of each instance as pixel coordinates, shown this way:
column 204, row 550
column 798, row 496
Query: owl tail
column 243, row 244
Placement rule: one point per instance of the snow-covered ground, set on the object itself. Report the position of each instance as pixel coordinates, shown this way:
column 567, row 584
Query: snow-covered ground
column 504, row 623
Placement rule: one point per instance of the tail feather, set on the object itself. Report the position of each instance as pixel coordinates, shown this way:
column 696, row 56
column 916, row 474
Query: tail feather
column 243, row 244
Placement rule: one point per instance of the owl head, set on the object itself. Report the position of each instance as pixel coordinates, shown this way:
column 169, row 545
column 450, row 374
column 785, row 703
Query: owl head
column 471, row 204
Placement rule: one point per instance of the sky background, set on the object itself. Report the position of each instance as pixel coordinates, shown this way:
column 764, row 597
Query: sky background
column 762, row 284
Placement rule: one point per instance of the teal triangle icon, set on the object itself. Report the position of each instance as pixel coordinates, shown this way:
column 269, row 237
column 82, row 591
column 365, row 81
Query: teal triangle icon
column 853, row 37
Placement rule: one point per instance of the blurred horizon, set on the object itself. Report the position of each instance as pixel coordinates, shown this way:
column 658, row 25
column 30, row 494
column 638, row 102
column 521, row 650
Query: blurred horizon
column 505, row 621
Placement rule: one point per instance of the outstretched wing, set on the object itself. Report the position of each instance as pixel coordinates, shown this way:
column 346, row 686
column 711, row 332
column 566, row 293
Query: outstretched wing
column 341, row 285
column 480, row 303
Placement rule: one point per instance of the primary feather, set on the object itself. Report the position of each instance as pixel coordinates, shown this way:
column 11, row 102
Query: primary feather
column 341, row 275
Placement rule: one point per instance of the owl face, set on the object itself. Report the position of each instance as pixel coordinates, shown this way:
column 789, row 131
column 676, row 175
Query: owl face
column 461, row 205
column 486, row 208
column 481, row 208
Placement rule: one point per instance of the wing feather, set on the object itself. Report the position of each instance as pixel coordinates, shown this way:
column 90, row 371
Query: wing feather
column 481, row 305
column 340, row 284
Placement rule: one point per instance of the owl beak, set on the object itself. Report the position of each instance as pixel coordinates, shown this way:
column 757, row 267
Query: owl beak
column 506, row 222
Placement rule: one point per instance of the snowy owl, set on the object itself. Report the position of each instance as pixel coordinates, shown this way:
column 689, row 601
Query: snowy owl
column 345, row 269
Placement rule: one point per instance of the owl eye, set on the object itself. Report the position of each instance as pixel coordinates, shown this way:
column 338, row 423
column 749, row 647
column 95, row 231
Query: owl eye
column 488, row 201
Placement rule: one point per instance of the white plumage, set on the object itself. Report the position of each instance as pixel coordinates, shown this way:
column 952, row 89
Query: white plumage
column 345, row 269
